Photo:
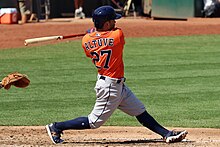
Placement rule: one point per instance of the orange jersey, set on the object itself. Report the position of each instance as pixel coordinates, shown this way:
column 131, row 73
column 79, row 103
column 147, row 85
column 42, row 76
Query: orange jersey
column 106, row 51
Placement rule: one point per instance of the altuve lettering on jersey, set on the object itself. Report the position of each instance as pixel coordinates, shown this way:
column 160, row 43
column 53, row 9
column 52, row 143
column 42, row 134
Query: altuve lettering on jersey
column 99, row 43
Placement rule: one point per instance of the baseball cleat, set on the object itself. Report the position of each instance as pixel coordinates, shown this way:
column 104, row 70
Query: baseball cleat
column 54, row 134
column 175, row 136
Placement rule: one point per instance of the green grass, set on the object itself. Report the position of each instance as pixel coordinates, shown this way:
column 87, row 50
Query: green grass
column 177, row 78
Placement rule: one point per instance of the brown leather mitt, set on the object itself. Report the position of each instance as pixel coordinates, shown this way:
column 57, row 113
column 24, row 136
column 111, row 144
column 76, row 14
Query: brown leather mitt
column 17, row 79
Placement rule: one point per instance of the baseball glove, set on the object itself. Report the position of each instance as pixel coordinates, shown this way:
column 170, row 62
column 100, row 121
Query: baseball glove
column 17, row 79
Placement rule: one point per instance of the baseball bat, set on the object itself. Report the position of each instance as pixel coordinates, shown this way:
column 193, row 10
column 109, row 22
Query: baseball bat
column 48, row 38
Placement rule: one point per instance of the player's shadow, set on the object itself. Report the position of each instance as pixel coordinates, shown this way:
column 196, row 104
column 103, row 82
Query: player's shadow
column 106, row 142
column 118, row 142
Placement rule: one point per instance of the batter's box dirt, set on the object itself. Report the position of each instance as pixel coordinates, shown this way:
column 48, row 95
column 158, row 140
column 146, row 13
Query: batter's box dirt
column 105, row 136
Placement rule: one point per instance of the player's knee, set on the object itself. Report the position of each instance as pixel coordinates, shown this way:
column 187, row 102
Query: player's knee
column 95, row 125
column 95, row 122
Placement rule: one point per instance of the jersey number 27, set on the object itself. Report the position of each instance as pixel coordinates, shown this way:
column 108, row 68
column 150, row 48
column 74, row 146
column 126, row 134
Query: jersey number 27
column 104, row 55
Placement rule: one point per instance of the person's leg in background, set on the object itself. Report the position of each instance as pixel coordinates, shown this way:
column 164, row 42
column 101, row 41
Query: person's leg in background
column 117, row 4
column 207, row 3
column 138, row 7
column 79, row 9
column 23, row 10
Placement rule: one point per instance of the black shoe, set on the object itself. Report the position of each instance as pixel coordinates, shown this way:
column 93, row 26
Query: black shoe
column 54, row 134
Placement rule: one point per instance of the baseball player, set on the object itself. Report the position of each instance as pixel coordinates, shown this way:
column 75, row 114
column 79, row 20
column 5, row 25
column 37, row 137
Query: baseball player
column 105, row 48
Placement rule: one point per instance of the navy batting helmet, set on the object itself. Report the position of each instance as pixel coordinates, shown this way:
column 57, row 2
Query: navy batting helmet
column 103, row 14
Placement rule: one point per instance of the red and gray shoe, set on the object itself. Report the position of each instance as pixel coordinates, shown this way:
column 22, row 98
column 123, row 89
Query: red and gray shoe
column 175, row 136
column 54, row 134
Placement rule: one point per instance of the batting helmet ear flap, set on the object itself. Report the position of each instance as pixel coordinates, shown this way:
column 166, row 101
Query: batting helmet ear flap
column 103, row 14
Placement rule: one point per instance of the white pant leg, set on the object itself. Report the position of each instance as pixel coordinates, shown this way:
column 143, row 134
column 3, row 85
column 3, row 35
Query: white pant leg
column 108, row 99
column 130, row 104
column 207, row 3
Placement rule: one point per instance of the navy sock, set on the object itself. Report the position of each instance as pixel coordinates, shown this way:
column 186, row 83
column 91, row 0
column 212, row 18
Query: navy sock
column 148, row 121
column 75, row 124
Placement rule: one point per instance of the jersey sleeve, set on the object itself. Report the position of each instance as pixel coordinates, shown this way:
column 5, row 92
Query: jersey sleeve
column 121, row 34
column 84, row 46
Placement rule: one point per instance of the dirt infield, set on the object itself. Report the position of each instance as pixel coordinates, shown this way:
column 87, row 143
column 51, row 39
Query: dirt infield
column 13, row 36
column 105, row 136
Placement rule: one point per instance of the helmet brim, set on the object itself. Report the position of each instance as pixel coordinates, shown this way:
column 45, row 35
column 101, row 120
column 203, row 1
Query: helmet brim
column 118, row 16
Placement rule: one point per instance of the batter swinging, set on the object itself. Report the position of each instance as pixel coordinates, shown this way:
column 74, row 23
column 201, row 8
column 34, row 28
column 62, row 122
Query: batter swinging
column 105, row 47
